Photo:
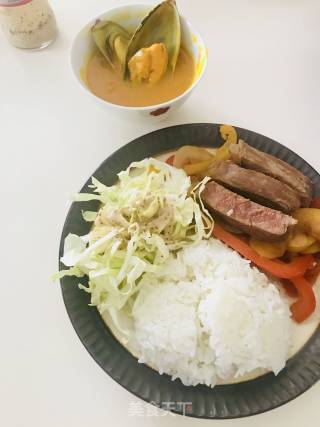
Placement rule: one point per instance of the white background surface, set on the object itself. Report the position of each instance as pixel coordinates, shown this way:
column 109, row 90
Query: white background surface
column 263, row 74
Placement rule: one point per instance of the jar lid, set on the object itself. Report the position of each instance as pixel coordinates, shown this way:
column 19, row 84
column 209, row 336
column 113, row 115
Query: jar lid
column 13, row 3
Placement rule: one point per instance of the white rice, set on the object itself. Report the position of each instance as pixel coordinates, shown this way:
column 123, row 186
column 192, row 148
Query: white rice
column 209, row 316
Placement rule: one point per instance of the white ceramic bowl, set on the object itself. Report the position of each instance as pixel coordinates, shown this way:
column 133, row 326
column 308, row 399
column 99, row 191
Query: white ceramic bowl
column 130, row 16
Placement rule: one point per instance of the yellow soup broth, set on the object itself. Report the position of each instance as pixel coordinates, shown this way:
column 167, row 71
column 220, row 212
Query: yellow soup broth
column 108, row 85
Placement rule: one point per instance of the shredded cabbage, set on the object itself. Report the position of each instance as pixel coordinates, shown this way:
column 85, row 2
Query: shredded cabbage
column 143, row 218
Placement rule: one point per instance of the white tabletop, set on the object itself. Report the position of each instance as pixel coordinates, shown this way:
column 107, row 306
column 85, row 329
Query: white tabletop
column 263, row 74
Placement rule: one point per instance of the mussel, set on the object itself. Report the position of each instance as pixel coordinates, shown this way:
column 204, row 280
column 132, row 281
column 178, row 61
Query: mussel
column 152, row 50
column 112, row 40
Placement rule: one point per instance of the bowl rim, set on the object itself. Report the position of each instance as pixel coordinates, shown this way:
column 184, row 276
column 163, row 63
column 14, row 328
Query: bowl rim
column 193, row 30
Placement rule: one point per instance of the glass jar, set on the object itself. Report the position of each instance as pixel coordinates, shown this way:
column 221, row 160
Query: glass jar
column 28, row 24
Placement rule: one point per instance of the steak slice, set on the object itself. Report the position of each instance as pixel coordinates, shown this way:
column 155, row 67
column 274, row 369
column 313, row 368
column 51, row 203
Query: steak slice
column 251, row 158
column 255, row 185
column 258, row 221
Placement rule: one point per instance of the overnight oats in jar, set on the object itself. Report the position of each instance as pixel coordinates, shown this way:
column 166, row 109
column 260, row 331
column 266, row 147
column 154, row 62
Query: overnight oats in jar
column 28, row 24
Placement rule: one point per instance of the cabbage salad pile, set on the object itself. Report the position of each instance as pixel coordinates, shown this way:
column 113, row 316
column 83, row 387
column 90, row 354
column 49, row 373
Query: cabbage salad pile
column 147, row 215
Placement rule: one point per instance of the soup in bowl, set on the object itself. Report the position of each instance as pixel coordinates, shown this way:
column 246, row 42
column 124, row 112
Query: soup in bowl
column 139, row 58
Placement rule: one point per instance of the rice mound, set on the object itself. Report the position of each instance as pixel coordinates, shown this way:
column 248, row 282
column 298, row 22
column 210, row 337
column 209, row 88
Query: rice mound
column 209, row 316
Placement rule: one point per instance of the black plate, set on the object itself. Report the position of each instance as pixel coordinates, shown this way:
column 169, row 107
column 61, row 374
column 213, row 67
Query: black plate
column 227, row 401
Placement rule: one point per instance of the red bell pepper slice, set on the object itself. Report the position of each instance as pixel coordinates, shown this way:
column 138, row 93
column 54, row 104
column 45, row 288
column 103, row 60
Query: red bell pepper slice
column 315, row 203
column 289, row 288
column 313, row 273
column 170, row 160
column 306, row 302
column 297, row 267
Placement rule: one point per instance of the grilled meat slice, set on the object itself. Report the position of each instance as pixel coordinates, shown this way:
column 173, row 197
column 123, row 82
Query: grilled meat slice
column 251, row 158
column 256, row 186
column 258, row 221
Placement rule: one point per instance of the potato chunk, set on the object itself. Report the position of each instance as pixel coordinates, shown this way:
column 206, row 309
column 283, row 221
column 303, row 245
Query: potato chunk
column 267, row 249
column 309, row 220
column 300, row 241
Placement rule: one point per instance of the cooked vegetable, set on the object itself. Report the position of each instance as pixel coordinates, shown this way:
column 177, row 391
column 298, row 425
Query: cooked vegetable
column 289, row 288
column 309, row 219
column 299, row 241
column 267, row 249
column 190, row 154
column 313, row 249
column 313, row 273
column 170, row 160
column 196, row 160
column 306, row 303
column 315, row 203
column 228, row 134
column 297, row 267
column 197, row 168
